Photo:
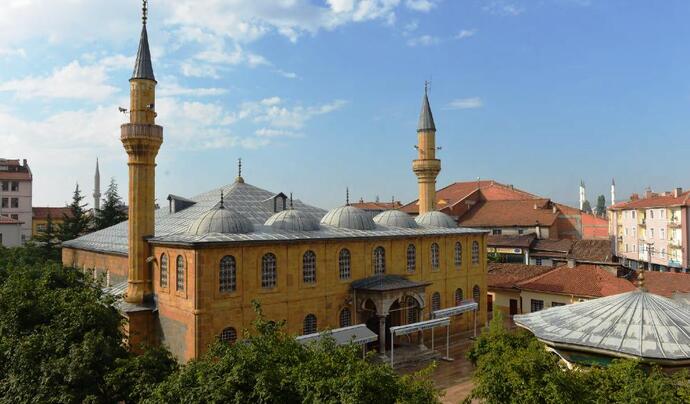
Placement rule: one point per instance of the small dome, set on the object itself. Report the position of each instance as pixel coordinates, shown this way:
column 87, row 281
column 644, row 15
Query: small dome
column 220, row 220
column 349, row 217
column 293, row 220
column 435, row 219
column 395, row 218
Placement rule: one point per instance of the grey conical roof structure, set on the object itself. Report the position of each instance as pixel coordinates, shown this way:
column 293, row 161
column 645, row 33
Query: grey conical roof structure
column 348, row 217
column 635, row 324
column 435, row 219
column 143, row 69
column 426, row 118
column 395, row 218
column 220, row 220
column 293, row 220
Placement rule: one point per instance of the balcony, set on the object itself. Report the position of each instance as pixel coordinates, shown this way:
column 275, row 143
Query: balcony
column 674, row 223
column 674, row 244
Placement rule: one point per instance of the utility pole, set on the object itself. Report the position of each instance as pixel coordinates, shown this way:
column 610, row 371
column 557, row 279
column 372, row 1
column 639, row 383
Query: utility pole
column 650, row 252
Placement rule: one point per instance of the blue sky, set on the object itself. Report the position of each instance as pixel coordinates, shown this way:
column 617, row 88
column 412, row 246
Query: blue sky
column 317, row 95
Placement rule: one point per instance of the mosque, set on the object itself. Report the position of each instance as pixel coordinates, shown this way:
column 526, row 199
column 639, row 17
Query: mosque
column 188, row 272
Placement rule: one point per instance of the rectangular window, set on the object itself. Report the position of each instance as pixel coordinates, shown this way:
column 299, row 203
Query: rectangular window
column 538, row 261
column 15, row 202
column 536, row 305
column 41, row 228
column 5, row 203
column 520, row 231
column 15, row 186
column 556, row 304
column 661, row 213
column 5, row 185
column 651, row 233
column 633, row 214
column 14, row 216
column 662, row 234
column 496, row 232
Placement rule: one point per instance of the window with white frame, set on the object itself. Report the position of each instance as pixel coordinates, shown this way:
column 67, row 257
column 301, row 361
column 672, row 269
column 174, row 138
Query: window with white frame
column 180, row 272
column 436, row 301
column 475, row 253
column 228, row 274
column 344, row 264
column 309, row 324
column 268, row 271
column 379, row 261
column 345, row 317
column 309, row 267
column 411, row 258
column 458, row 254
column 163, row 282
column 435, row 259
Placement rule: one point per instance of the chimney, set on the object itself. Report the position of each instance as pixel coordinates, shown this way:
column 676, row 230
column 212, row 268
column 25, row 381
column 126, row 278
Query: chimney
column 537, row 229
column 677, row 192
column 554, row 209
column 648, row 193
column 634, row 197
column 24, row 162
column 535, row 206
column 571, row 262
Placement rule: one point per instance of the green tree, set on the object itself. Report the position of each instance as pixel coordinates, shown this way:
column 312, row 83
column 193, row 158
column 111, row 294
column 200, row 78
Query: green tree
column 601, row 205
column 48, row 240
column 272, row 367
column 77, row 222
column 587, row 207
column 61, row 339
column 113, row 209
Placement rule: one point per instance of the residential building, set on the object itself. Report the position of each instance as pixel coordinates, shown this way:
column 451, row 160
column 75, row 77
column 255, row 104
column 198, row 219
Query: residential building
column 652, row 229
column 10, row 232
column 15, row 193
column 190, row 273
column 40, row 218
column 506, row 210
column 528, row 249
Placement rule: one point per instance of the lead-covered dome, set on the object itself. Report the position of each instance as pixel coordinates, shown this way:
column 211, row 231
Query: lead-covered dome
column 349, row 217
column 435, row 219
column 220, row 220
column 395, row 218
column 293, row 220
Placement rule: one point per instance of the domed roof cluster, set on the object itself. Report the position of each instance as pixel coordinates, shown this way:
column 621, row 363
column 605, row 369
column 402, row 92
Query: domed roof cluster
column 395, row 218
column 435, row 219
column 349, row 217
column 220, row 220
column 293, row 220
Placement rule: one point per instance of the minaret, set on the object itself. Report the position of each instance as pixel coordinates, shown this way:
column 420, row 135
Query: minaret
column 613, row 191
column 583, row 198
column 96, row 189
column 426, row 167
column 141, row 138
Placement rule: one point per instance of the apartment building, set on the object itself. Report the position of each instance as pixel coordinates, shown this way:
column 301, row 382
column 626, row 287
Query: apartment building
column 652, row 229
column 15, row 194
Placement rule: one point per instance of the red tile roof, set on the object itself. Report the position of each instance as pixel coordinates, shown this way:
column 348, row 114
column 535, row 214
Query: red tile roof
column 665, row 283
column 509, row 213
column 377, row 205
column 562, row 245
column 55, row 213
column 655, row 202
column 586, row 280
column 522, row 241
column 592, row 250
column 507, row 276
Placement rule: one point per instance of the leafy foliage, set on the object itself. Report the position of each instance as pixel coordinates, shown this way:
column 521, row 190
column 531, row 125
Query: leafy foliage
column 601, row 206
column 271, row 366
column 48, row 240
column 587, row 207
column 112, row 211
column 77, row 222
column 515, row 368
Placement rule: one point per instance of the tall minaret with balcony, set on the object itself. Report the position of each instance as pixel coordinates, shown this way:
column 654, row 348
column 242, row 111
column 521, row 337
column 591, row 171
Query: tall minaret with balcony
column 96, row 189
column 583, row 197
column 426, row 167
column 613, row 191
column 141, row 138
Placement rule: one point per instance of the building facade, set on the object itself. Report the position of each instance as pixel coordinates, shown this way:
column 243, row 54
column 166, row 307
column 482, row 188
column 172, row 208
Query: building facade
column 190, row 273
column 15, row 194
column 40, row 218
column 652, row 230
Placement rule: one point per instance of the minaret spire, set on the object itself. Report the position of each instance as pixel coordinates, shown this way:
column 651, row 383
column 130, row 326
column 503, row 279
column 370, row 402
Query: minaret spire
column 239, row 171
column 143, row 69
column 97, row 189
column 613, row 191
column 426, row 167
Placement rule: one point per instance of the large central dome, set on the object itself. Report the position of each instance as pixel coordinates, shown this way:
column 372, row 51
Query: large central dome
column 349, row 217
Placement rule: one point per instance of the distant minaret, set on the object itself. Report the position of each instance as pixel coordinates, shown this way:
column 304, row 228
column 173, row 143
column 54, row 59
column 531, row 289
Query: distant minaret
column 97, row 189
column 426, row 167
column 583, row 198
column 613, row 191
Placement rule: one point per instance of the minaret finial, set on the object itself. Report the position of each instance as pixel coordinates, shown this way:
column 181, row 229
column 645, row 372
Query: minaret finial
column 222, row 201
column 239, row 171
column 290, row 200
column 144, row 12
column 426, row 87
column 347, row 196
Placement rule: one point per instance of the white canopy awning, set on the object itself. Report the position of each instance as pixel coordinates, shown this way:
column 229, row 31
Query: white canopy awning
column 355, row 334
column 464, row 306
column 420, row 326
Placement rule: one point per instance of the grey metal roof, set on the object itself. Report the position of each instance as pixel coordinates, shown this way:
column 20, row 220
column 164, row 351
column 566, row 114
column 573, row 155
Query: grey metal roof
column 386, row 282
column 395, row 218
column 355, row 334
column 142, row 66
column 254, row 204
column 293, row 220
column 633, row 324
column 349, row 217
column 435, row 219
column 220, row 220
column 426, row 118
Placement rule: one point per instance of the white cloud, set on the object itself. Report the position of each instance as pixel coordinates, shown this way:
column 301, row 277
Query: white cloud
column 420, row 5
column 170, row 87
column 465, row 103
column 287, row 75
column 423, row 40
column 465, row 33
column 10, row 52
column 273, row 133
column 503, row 8
column 194, row 69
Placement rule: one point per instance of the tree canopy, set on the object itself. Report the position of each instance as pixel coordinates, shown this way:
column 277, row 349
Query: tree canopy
column 112, row 210
column 514, row 367
column 587, row 207
column 601, row 205
column 78, row 221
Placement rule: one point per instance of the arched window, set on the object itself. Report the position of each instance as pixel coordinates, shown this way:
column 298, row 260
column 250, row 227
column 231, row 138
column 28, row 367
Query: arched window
column 435, row 261
column 458, row 254
column 228, row 335
column 228, row 274
column 458, row 296
column 344, row 264
column 309, row 267
column 180, row 273
column 379, row 261
column 268, row 271
column 411, row 258
column 475, row 253
column 412, row 310
column 476, row 295
column 164, row 271
column 345, row 317
column 309, row 324
column 436, row 301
